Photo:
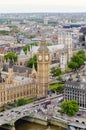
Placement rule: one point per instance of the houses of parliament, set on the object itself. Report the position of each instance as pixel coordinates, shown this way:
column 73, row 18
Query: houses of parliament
column 14, row 86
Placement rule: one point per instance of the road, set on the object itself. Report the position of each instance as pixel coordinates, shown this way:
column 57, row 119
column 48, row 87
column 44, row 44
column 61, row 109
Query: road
column 39, row 110
column 15, row 113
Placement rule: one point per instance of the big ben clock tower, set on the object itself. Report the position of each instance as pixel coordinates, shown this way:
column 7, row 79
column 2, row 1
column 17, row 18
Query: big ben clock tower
column 43, row 69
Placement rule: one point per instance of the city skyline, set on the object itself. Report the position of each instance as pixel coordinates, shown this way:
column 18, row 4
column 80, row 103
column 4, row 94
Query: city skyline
column 26, row 6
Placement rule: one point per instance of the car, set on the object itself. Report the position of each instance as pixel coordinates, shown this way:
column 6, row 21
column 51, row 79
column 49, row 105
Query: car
column 12, row 110
column 18, row 112
column 78, row 114
column 77, row 121
column 8, row 114
column 83, row 122
column 1, row 115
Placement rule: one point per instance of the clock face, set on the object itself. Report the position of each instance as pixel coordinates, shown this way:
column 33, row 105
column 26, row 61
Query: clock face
column 39, row 57
column 46, row 57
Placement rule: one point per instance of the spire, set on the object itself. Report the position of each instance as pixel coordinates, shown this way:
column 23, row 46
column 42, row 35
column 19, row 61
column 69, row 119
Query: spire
column 34, row 67
column 33, row 72
column 22, row 53
column 27, row 50
column 11, row 64
column 43, row 42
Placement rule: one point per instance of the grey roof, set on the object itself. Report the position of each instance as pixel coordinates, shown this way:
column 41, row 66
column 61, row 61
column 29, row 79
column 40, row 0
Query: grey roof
column 51, row 48
column 22, row 55
column 43, row 48
column 75, row 85
column 17, row 68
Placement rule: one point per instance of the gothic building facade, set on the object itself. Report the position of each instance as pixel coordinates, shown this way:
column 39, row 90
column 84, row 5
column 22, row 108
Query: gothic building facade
column 61, row 53
column 14, row 87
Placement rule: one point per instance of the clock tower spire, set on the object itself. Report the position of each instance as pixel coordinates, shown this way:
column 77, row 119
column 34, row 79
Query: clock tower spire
column 43, row 69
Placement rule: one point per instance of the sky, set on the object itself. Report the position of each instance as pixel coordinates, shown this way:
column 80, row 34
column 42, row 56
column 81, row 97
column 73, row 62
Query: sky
column 28, row 6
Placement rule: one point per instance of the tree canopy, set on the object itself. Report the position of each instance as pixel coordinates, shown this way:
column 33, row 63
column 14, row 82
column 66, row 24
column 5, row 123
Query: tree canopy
column 28, row 46
column 32, row 61
column 58, row 87
column 70, row 107
column 21, row 102
column 11, row 56
column 55, row 71
column 77, row 60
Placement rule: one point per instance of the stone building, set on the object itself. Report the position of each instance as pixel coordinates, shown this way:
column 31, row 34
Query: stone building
column 61, row 53
column 75, row 90
column 14, row 86
column 22, row 59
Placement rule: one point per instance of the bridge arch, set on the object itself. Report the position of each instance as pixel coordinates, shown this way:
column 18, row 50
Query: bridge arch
column 12, row 122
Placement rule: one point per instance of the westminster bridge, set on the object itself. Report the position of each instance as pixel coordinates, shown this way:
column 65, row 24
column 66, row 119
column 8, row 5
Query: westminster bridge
column 35, row 112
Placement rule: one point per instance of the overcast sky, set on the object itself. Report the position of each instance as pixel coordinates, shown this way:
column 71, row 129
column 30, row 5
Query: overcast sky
column 28, row 6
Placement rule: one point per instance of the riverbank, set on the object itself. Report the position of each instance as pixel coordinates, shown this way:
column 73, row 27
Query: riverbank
column 46, row 122
column 34, row 126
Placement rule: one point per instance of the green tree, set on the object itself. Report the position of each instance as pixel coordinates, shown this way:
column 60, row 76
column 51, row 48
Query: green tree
column 77, row 60
column 70, row 107
column 26, row 47
column 32, row 36
column 21, row 102
column 55, row 71
column 34, row 44
column 32, row 61
column 11, row 56
column 4, row 32
column 81, row 54
column 59, row 78
column 73, row 65
column 57, row 87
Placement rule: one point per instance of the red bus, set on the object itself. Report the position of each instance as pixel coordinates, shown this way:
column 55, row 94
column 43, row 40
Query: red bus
column 48, row 102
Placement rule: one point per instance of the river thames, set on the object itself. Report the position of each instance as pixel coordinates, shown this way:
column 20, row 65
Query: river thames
column 33, row 126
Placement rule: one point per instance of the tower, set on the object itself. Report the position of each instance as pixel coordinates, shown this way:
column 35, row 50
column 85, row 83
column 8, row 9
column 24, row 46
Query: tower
column 34, row 73
column 69, row 46
column 10, row 72
column 43, row 69
column 63, row 60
